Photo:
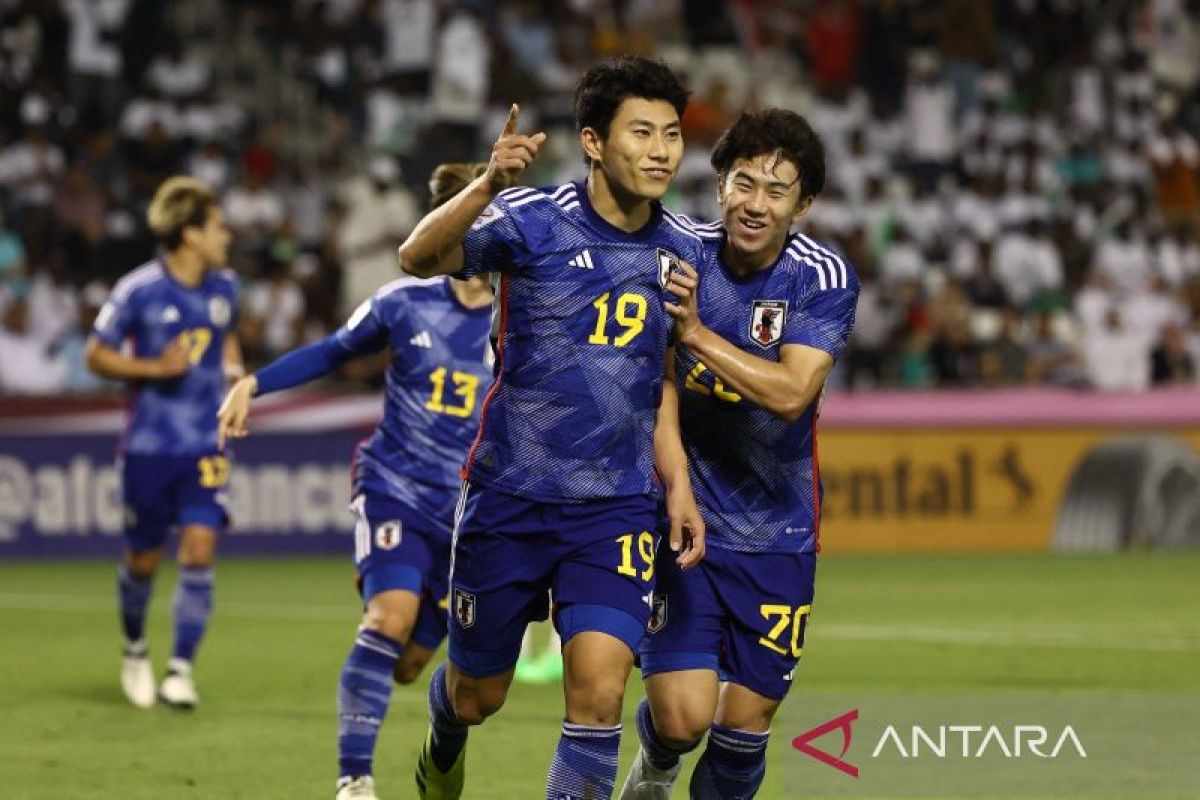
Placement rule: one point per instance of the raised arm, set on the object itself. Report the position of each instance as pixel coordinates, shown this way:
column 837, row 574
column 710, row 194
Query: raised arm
column 435, row 245
column 785, row 387
column 687, row 526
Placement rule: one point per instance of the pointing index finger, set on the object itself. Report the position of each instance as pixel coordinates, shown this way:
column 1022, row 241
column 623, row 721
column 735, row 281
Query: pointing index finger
column 510, row 124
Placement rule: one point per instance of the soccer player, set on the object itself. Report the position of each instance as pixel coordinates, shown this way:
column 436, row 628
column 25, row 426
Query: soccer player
column 406, row 481
column 560, row 490
column 755, row 343
column 178, row 313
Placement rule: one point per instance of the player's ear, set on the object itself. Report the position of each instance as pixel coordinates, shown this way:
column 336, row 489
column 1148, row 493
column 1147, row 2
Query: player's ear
column 592, row 144
column 802, row 209
column 721, row 188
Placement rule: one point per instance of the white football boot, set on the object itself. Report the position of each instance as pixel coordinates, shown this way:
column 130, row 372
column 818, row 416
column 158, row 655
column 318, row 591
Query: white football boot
column 178, row 690
column 137, row 676
column 647, row 782
column 360, row 788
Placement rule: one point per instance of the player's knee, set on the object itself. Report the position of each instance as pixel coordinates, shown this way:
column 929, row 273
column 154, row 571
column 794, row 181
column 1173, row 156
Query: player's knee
column 681, row 728
column 408, row 669
column 197, row 549
column 474, row 708
column 596, row 702
column 142, row 566
column 394, row 623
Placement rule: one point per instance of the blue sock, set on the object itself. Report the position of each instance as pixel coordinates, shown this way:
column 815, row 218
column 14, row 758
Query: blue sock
column 661, row 755
column 192, row 608
column 364, row 692
column 449, row 735
column 585, row 763
column 133, row 594
column 732, row 767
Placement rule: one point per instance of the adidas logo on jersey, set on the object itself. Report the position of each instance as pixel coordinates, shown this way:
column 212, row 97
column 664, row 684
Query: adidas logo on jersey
column 171, row 314
column 583, row 261
column 422, row 339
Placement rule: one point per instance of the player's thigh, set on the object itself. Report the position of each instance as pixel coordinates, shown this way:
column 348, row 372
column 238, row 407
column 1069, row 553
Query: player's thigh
column 199, row 488
column 769, row 599
column 604, row 579
column 596, row 667
column 430, row 628
column 683, row 704
column 502, row 563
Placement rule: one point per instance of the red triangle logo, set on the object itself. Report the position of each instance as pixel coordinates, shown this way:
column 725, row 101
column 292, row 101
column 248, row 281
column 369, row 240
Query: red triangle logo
column 843, row 723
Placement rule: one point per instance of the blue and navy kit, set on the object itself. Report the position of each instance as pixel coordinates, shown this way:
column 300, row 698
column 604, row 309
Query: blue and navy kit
column 406, row 474
column 581, row 341
column 755, row 475
column 561, row 487
column 744, row 610
column 436, row 381
column 151, row 309
column 172, row 472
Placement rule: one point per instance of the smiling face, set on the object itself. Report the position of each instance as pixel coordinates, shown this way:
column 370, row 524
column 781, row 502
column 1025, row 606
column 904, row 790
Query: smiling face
column 641, row 152
column 760, row 201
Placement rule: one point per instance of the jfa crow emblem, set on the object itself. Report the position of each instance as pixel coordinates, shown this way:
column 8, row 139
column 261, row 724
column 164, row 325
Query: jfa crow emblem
column 766, row 321
column 464, row 608
column 658, row 613
column 667, row 263
column 387, row 535
column 219, row 311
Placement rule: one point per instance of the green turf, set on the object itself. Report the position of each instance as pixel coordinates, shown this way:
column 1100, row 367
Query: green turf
column 270, row 664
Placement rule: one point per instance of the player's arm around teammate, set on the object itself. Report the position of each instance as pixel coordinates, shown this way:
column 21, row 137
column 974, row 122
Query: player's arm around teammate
column 756, row 342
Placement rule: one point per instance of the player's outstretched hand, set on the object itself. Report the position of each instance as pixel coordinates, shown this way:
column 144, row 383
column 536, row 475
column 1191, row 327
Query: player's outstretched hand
column 173, row 361
column 512, row 153
column 684, row 283
column 235, row 410
column 687, row 530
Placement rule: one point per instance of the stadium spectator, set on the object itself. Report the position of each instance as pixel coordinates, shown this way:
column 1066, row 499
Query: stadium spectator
column 27, row 365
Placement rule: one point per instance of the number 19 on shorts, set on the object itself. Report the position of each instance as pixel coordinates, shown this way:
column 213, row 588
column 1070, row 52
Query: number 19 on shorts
column 644, row 544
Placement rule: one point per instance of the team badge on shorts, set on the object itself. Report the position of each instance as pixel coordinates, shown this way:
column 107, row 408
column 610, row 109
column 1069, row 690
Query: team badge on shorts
column 464, row 608
column 766, row 321
column 219, row 311
column 387, row 534
column 667, row 263
column 658, row 613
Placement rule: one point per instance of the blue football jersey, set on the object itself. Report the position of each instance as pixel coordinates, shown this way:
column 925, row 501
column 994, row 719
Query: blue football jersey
column 150, row 309
column 756, row 476
column 439, row 374
column 582, row 339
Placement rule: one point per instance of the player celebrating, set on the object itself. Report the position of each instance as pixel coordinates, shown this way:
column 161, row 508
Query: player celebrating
column 560, row 490
column 406, row 480
column 756, row 341
column 178, row 311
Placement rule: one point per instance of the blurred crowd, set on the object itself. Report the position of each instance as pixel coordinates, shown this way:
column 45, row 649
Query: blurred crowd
column 1017, row 181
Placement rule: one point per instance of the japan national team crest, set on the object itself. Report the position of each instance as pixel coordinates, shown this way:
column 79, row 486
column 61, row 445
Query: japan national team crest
column 658, row 613
column 667, row 263
column 766, row 321
column 464, row 608
column 387, row 534
column 219, row 311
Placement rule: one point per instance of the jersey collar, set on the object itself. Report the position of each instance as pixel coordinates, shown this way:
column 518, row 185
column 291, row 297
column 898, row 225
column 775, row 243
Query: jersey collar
column 611, row 231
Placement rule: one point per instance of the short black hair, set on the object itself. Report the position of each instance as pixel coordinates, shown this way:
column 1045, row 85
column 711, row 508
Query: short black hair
column 603, row 87
column 774, row 131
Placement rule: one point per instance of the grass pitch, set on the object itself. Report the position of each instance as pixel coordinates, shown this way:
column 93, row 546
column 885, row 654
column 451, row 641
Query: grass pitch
column 267, row 672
